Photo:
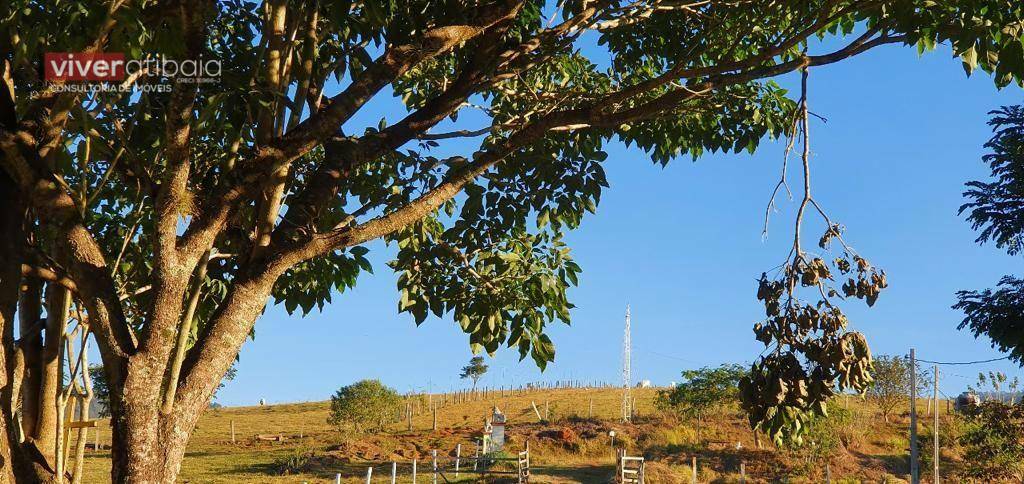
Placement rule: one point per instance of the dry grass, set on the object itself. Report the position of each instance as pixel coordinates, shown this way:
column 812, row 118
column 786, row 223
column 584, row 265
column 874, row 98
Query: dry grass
column 571, row 447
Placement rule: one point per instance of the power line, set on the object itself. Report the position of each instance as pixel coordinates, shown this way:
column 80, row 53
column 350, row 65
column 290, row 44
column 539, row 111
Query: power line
column 963, row 362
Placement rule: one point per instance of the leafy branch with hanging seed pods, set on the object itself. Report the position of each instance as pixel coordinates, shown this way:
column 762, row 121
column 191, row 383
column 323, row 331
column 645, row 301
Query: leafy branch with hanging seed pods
column 810, row 352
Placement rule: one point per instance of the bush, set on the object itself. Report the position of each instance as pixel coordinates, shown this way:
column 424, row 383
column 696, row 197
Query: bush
column 365, row 405
column 992, row 439
column 702, row 392
column 825, row 435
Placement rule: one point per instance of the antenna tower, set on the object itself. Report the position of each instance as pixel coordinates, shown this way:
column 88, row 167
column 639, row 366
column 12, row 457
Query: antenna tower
column 627, row 397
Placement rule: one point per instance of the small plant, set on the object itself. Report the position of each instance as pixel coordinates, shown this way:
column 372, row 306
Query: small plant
column 365, row 405
column 294, row 463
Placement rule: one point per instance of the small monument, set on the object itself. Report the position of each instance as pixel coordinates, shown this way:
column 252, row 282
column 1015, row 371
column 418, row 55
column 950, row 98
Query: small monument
column 497, row 440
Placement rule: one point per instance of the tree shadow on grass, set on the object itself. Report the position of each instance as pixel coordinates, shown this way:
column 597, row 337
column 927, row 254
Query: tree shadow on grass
column 895, row 464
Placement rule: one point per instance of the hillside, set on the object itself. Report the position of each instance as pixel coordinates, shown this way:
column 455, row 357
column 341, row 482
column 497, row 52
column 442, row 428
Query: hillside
column 569, row 448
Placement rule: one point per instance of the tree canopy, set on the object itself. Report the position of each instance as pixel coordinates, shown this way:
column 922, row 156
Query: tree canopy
column 165, row 210
column 703, row 390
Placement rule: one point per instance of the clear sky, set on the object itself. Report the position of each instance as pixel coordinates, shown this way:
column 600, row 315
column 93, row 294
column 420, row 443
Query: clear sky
column 682, row 245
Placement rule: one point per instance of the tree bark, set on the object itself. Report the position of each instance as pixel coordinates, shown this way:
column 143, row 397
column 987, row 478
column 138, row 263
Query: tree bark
column 10, row 284
column 57, row 302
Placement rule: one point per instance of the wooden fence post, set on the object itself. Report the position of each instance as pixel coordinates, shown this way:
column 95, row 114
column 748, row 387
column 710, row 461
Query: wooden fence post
column 590, row 412
column 337, row 479
column 414, row 471
column 434, row 426
column 433, row 456
column 743, row 472
column 369, row 474
column 458, row 457
column 232, row 431
column 394, row 471
column 935, row 427
column 693, row 467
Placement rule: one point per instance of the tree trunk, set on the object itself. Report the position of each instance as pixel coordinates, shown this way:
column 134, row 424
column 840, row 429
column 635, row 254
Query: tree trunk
column 16, row 459
column 147, row 447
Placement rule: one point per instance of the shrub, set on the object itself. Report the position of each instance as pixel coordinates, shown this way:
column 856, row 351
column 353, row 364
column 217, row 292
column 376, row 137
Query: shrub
column 992, row 439
column 365, row 405
column 824, row 435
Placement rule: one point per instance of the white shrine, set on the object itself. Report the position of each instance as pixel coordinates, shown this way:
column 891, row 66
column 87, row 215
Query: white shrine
column 497, row 431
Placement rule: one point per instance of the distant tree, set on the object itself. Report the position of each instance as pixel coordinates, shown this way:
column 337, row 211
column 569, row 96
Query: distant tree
column 100, row 390
column 474, row 370
column 365, row 405
column 703, row 391
column 995, row 208
column 993, row 386
column 891, row 386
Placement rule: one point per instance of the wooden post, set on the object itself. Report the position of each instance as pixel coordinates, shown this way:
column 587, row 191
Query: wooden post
column 458, row 457
column 935, row 426
column 369, row 474
column 394, row 471
column 408, row 415
column 534, row 404
column 693, row 469
column 433, row 457
column 915, row 477
column 337, row 479
column 743, row 472
column 96, row 443
column 590, row 412
column 414, row 471
column 547, row 410
column 434, row 426
column 232, row 431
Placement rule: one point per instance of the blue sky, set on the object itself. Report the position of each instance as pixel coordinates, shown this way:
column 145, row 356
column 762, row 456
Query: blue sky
column 682, row 245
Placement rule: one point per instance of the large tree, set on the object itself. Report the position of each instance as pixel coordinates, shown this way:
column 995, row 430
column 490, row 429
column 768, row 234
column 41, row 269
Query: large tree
column 995, row 208
column 160, row 221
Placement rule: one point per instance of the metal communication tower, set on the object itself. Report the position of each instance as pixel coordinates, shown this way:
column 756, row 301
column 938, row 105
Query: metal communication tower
column 627, row 397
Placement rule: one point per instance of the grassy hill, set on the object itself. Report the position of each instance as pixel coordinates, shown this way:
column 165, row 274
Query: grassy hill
column 572, row 446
